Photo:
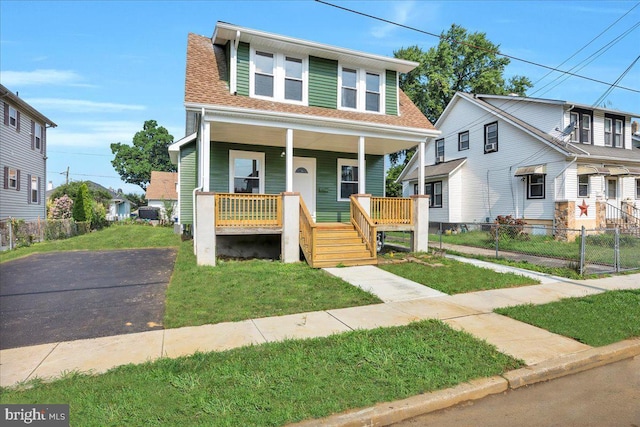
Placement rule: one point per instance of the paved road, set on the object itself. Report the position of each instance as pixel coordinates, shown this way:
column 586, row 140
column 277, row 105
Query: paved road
column 66, row 296
column 608, row 396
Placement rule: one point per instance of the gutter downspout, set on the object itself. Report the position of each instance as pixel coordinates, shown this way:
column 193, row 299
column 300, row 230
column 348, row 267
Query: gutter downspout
column 199, row 187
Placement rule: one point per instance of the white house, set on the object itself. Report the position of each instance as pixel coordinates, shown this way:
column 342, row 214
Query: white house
column 546, row 161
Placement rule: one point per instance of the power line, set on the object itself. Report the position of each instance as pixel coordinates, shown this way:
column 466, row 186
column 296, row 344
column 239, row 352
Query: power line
column 526, row 61
column 608, row 91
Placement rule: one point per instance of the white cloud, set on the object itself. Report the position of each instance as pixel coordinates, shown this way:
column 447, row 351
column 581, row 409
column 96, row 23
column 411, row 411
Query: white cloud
column 42, row 77
column 82, row 106
column 88, row 134
column 401, row 13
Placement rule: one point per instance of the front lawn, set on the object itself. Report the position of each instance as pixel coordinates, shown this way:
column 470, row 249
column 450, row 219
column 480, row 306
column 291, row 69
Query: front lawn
column 239, row 290
column 277, row 383
column 129, row 236
column 595, row 320
column 454, row 277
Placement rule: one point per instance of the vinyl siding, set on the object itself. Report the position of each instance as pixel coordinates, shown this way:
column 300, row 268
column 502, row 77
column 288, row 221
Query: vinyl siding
column 546, row 117
column 188, row 182
column 16, row 152
column 327, row 206
column 391, row 93
column 242, row 86
column 323, row 82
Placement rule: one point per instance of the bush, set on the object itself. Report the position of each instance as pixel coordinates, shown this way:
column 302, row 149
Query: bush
column 98, row 216
column 61, row 208
column 82, row 210
column 58, row 229
column 508, row 227
column 83, row 227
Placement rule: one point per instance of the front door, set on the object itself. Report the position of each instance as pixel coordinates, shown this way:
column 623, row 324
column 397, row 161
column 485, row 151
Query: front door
column 304, row 181
column 612, row 190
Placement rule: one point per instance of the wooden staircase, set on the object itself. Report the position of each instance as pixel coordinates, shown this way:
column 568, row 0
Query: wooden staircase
column 338, row 244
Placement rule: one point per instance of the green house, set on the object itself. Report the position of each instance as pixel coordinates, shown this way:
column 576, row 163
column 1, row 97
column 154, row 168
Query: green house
column 272, row 115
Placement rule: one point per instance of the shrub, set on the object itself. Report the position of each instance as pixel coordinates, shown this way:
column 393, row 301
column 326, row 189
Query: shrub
column 98, row 216
column 57, row 229
column 61, row 208
column 82, row 210
column 508, row 227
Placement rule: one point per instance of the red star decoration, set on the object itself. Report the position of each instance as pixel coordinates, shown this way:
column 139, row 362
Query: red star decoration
column 583, row 208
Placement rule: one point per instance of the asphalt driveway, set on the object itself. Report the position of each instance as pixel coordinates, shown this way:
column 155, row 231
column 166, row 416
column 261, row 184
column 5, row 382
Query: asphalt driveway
column 66, row 296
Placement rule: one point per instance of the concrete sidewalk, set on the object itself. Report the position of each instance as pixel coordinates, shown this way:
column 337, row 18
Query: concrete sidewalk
column 406, row 302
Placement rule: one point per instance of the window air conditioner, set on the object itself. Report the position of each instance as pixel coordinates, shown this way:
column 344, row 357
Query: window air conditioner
column 490, row 147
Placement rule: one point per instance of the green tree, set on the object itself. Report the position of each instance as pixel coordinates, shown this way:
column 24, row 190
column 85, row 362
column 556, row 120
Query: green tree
column 393, row 189
column 148, row 153
column 97, row 193
column 462, row 61
column 82, row 208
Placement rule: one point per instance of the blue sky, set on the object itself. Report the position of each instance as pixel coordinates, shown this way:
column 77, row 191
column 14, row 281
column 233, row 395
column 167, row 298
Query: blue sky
column 100, row 69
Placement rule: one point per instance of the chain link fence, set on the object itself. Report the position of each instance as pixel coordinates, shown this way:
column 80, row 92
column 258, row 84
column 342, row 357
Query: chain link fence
column 586, row 251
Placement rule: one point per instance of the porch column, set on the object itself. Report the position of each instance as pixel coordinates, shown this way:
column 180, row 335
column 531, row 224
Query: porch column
column 420, row 240
column 206, row 155
column 205, row 229
column 421, row 153
column 290, row 241
column 361, row 167
column 365, row 201
column 289, row 160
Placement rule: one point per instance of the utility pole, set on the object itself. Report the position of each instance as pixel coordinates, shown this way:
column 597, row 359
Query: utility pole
column 67, row 174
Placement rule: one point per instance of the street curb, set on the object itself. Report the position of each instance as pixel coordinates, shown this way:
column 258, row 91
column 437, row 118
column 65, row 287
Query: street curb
column 387, row 413
column 573, row 363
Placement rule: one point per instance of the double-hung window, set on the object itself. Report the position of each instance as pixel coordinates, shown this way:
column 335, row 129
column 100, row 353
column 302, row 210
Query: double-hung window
column 491, row 137
column 463, row 141
column 608, row 131
column 265, row 74
column 349, row 88
column 246, row 172
column 13, row 117
column 278, row 76
column 372, row 98
column 583, row 185
column 361, row 90
column 535, row 186
column 614, row 131
column 439, row 150
column 617, row 134
column 293, row 83
column 581, row 121
column 34, row 190
column 11, row 178
column 434, row 191
column 347, row 178
column 37, row 136
column 637, row 188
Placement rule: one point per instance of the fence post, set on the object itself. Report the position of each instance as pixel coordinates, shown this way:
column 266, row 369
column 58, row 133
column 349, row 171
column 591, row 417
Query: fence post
column 10, row 234
column 582, row 249
column 440, row 231
column 497, row 239
column 616, row 250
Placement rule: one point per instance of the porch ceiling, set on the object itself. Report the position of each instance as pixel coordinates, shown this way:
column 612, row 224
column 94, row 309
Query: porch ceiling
column 305, row 139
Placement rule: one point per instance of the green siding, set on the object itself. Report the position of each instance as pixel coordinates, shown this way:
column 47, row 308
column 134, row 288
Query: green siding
column 242, row 86
column 323, row 82
column 188, row 180
column 391, row 94
column 328, row 209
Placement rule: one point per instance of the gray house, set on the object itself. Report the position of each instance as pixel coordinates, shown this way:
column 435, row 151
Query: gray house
column 23, row 158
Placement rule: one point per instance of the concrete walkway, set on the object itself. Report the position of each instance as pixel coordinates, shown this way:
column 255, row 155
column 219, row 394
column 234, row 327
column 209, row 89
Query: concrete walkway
column 470, row 312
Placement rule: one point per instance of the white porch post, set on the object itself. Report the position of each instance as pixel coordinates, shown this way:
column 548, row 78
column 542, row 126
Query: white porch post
column 290, row 240
column 421, row 152
column 205, row 231
column 289, row 160
column 361, row 167
column 206, row 156
column 420, row 240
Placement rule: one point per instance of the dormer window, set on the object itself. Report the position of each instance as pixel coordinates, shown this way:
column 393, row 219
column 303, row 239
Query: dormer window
column 278, row 77
column 581, row 121
column 360, row 90
column 613, row 131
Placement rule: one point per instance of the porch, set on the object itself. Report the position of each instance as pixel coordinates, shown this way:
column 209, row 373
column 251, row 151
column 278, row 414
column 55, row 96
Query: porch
column 323, row 244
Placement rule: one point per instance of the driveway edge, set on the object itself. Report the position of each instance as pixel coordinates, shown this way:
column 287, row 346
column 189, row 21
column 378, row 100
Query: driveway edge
column 387, row 413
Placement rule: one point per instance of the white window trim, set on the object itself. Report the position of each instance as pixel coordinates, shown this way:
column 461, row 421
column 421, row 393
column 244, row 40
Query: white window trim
column 251, row 155
column 542, row 184
column 588, row 184
column 37, row 137
column 12, row 172
column 13, row 114
column 609, row 132
column 279, row 75
column 638, row 188
column 344, row 162
column 361, row 89
column 615, row 133
column 33, row 186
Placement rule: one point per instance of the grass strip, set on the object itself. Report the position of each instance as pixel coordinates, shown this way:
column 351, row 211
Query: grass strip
column 275, row 383
column 126, row 236
column 239, row 290
column 454, row 277
column 594, row 320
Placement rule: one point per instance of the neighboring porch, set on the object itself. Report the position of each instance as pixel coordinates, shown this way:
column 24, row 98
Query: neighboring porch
column 322, row 244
